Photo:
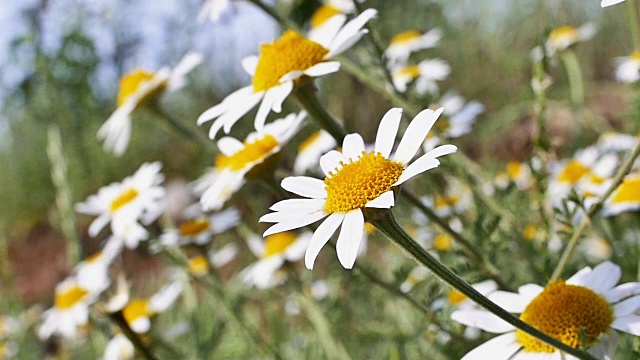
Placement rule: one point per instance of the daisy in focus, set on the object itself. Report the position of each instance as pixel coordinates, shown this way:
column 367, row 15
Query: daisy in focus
column 238, row 159
column 355, row 180
column 563, row 37
column 585, row 309
column 424, row 75
column 628, row 69
column 136, row 198
column 310, row 150
column 137, row 88
column 273, row 252
column 280, row 64
column 403, row 44
column 70, row 310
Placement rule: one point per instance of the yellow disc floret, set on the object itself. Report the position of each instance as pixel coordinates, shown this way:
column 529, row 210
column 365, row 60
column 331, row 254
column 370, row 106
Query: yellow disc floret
column 278, row 243
column 251, row 153
column 67, row 299
column 568, row 313
column 324, row 13
column 194, row 227
column 443, row 242
column 628, row 191
column 572, row 172
column 122, row 200
column 455, row 297
column 291, row 52
column 405, row 36
column 563, row 34
column 635, row 55
column 130, row 83
column 409, row 71
column 198, row 265
column 135, row 309
column 355, row 184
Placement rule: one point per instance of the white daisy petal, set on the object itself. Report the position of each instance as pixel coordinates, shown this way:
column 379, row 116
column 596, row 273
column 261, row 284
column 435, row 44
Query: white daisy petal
column 576, row 279
column 621, row 291
column 530, row 291
column 294, row 223
column 350, row 238
column 629, row 324
column 387, row 131
column 415, row 134
column 499, row 348
column 530, row 355
column 514, row 303
column 299, row 205
column 331, row 161
column 349, row 30
column 483, row 320
column 419, row 166
column 229, row 145
column 325, row 35
column 323, row 68
column 441, row 151
column 352, row 146
column 627, row 307
column 321, row 236
column 346, row 44
column 602, row 278
column 237, row 109
column 305, row 186
column 250, row 63
column 605, row 3
column 384, row 201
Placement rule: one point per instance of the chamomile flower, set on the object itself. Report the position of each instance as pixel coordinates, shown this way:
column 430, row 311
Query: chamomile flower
column 327, row 11
column 584, row 309
column 310, row 150
column 563, row 37
column 425, row 75
column 272, row 252
column 200, row 229
column 280, row 64
column 136, row 198
column 119, row 348
column 455, row 201
column 355, row 180
column 517, row 172
column 93, row 272
column 457, row 119
column 568, row 173
column 138, row 312
column 239, row 158
column 403, row 44
column 605, row 3
column 628, row 69
column 136, row 88
column 199, row 265
column 616, row 142
column 70, row 310
column 626, row 197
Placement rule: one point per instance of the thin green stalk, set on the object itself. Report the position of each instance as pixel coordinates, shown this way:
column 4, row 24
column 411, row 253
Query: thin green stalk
column 178, row 126
column 586, row 219
column 576, row 83
column 121, row 322
column 388, row 225
column 64, row 202
column 276, row 16
column 632, row 20
column 306, row 96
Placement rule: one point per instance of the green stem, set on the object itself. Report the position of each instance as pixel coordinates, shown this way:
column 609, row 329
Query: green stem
column 586, row 219
column 576, row 83
column 388, row 225
column 178, row 126
column 119, row 319
column 634, row 27
column 276, row 16
column 306, row 96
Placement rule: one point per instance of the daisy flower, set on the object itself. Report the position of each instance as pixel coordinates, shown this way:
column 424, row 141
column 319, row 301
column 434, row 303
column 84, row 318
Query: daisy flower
column 626, row 197
column 456, row 200
column 605, row 3
column 310, row 150
column 136, row 88
column 273, row 252
column 199, row 265
column 628, row 69
column 425, row 75
column 138, row 197
column 616, row 142
column 457, row 120
column 70, row 310
column 584, row 309
column 568, row 173
column 355, row 180
column 138, row 312
column 200, row 229
column 280, row 64
column 561, row 38
column 93, row 272
column 238, row 158
column 403, row 44
column 517, row 172
column 119, row 348
column 327, row 11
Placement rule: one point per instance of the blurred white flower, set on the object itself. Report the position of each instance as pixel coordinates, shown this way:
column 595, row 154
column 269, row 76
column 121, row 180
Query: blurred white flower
column 311, row 149
column 563, row 37
column 628, row 68
column 425, row 75
column 403, row 44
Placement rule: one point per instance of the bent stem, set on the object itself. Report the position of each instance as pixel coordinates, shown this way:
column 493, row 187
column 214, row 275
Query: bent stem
column 388, row 225
column 119, row 319
column 586, row 219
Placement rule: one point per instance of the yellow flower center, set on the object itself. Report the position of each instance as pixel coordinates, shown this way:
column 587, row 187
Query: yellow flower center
column 445, row 201
column 572, row 172
column 360, row 181
column 530, row 232
column 198, row 265
column 514, row 169
column 249, row 154
column 309, row 142
column 635, row 55
column 70, row 297
column 628, row 191
column 194, row 227
column 455, row 297
column 93, row 258
column 562, row 34
column 568, row 313
column 122, row 200
column 289, row 53
column 409, row 71
column 443, row 242
column 135, row 309
column 278, row 243
column 405, row 36
column 324, row 13
column 130, row 83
